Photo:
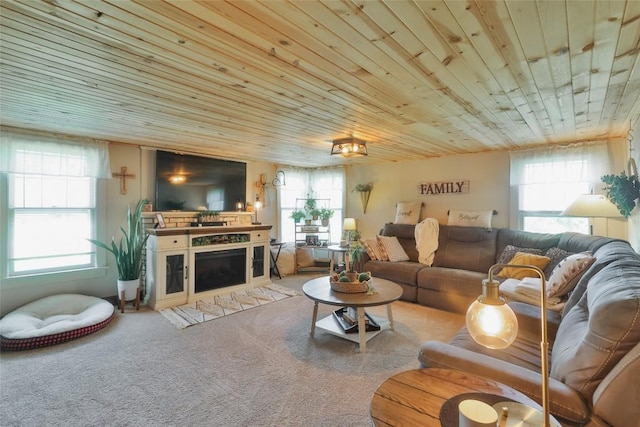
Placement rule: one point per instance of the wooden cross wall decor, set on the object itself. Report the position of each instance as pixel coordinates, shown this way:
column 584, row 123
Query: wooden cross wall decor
column 123, row 175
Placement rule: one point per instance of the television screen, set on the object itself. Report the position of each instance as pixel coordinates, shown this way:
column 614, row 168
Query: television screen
column 189, row 183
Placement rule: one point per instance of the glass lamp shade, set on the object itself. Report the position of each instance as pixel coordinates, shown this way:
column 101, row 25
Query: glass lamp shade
column 492, row 325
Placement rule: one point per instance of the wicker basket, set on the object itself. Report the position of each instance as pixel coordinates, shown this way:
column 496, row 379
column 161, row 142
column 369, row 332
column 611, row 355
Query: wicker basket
column 355, row 287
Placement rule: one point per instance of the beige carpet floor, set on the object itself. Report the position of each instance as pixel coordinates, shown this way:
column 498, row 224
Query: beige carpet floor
column 257, row 367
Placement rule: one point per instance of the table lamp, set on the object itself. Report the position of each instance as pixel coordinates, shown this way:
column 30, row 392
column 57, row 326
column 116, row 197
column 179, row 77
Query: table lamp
column 257, row 206
column 348, row 225
column 493, row 324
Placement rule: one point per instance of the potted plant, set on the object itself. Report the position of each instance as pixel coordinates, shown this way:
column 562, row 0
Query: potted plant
column 128, row 252
column 315, row 213
column 208, row 217
column 310, row 204
column 297, row 216
column 622, row 190
column 325, row 215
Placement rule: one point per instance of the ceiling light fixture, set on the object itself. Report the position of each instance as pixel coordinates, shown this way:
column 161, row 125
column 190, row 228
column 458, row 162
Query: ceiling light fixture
column 177, row 179
column 349, row 147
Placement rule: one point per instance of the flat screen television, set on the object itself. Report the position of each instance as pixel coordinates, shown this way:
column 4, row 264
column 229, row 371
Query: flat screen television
column 189, row 183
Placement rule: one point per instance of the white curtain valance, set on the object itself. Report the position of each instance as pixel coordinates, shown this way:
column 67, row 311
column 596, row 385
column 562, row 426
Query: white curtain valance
column 27, row 153
column 586, row 161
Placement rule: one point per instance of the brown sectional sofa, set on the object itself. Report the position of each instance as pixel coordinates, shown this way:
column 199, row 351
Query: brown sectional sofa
column 594, row 342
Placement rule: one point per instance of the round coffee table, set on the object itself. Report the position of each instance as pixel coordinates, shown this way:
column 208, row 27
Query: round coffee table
column 423, row 396
column 319, row 290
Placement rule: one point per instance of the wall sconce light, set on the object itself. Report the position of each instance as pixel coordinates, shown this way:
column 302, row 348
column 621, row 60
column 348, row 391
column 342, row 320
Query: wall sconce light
column 349, row 147
column 279, row 180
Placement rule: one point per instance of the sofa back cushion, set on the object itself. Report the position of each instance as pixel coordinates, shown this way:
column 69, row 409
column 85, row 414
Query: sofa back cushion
column 604, row 324
column 467, row 248
column 525, row 239
column 406, row 236
column 577, row 242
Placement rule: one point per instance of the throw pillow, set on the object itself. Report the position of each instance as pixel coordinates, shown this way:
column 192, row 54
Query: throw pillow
column 408, row 212
column 555, row 255
column 568, row 272
column 509, row 251
column 470, row 218
column 371, row 246
column 523, row 258
column 304, row 257
column 392, row 248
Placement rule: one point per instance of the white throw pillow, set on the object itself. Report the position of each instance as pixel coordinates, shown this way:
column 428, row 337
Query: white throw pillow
column 470, row 218
column 304, row 257
column 567, row 273
column 392, row 248
column 408, row 212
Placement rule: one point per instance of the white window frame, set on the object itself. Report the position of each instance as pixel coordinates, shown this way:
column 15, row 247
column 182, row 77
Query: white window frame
column 306, row 177
column 98, row 167
column 589, row 161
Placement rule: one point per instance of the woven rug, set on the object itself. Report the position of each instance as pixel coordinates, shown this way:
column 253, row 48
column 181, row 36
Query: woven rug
column 203, row 310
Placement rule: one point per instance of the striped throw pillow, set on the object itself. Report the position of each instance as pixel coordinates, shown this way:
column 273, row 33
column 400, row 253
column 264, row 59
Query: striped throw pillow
column 392, row 248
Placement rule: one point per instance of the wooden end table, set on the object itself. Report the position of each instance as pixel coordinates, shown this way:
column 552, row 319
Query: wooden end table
column 319, row 290
column 415, row 397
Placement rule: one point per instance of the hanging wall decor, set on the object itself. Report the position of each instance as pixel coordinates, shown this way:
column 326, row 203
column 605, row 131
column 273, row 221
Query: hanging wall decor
column 444, row 187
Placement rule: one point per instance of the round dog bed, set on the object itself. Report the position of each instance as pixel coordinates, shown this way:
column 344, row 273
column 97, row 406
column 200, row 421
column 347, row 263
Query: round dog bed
column 54, row 320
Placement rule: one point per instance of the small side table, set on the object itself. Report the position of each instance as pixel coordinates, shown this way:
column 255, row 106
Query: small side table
column 336, row 250
column 274, row 258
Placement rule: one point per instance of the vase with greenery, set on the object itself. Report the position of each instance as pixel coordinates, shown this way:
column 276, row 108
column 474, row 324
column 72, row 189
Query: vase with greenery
column 623, row 190
column 208, row 216
column 128, row 252
column 365, row 193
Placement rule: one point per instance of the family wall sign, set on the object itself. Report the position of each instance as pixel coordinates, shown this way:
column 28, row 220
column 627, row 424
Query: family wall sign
column 444, row 187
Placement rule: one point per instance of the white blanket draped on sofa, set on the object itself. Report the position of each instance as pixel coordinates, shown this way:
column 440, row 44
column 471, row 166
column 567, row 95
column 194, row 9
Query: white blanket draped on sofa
column 426, row 234
column 528, row 290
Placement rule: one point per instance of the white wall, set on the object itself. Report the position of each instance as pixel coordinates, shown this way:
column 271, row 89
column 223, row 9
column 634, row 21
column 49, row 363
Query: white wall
column 102, row 282
column 488, row 174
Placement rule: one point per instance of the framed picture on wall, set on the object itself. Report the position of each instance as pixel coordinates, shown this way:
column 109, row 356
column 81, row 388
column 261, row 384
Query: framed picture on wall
column 160, row 219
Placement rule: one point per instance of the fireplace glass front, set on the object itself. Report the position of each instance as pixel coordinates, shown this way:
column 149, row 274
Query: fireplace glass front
column 219, row 269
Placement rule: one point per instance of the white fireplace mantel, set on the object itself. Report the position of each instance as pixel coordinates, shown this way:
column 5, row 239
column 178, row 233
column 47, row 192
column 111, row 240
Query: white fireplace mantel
column 172, row 254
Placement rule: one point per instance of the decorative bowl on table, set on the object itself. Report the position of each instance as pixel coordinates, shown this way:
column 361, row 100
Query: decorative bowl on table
column 350, row 282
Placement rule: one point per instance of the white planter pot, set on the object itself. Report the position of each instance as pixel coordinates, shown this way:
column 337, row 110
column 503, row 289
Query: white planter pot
column 130, row 288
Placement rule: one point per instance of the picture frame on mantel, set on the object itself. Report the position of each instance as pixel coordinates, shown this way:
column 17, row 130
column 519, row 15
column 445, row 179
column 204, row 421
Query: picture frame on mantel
column 160, row 219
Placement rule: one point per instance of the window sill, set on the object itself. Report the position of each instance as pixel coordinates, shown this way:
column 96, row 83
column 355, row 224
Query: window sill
column 50, row 278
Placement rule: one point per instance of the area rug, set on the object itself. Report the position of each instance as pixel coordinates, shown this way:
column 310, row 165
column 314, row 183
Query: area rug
column 204, row 310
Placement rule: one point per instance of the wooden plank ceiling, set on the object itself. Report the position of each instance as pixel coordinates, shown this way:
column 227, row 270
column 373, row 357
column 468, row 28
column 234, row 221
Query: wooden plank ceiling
column 277, row 80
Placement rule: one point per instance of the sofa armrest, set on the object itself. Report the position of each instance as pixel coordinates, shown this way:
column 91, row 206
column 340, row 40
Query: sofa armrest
column 564, row 402
column 609, row 399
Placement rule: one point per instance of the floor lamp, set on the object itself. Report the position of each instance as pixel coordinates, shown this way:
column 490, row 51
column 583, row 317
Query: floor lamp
column 593, row 206
column 493, row 324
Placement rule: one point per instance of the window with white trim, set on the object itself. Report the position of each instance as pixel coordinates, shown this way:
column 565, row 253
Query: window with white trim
column 322, row 183
column 50, row 202
column 548, row 180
